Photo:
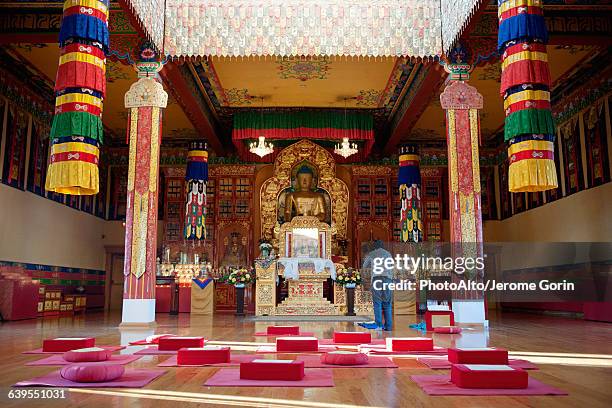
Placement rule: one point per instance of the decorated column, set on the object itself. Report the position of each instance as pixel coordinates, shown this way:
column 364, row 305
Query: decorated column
column 525, row 86
column 80, row 85
column 409, row 180
column 461, row 103
column 196, row 177
column 145, row 100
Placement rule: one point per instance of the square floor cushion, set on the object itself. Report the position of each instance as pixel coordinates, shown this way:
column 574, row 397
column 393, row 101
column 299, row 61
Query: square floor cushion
column 477, row 355
column 410, row 344
column 177, row 342
column 296, row 344
column 203, row 355
column 488, row 376
column 352, row 337
column 288, row 370
column 61, row 344
column 283, row 330
column 436, row 318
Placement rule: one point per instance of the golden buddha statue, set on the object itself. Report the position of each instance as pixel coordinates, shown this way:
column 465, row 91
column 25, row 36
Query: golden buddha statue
column 303, row 200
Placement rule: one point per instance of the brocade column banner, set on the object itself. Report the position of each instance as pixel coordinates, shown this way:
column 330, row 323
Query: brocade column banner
column 409, row 181
column 461, row 103
column 145, row 100
column 196, row 177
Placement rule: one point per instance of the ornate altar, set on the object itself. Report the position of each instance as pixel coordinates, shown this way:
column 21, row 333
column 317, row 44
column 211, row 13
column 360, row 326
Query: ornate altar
column 304, row 211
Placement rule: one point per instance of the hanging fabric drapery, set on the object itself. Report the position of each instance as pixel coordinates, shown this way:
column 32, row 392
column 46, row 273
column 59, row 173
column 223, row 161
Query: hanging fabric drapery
column 409, row 181
column 525, row 86
column 196, row 177
column 76, row 132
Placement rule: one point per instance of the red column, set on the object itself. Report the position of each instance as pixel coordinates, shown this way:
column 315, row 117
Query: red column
column 145, row 101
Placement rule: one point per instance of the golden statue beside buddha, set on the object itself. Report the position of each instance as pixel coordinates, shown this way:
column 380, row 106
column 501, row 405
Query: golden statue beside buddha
column 305, row 200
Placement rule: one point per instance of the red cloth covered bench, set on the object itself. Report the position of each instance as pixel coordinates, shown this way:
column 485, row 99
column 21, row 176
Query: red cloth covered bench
column 483, row 355
column 437, row 318
column 203, row 355
column 176, row 342
column 288, row 370
column 292, row 344
column 488, row 376
column 352, row 337
column 61, row 344
column 283, row 330
column 410, row 344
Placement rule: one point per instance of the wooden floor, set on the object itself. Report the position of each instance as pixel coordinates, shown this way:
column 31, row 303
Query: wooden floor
column 573, row 355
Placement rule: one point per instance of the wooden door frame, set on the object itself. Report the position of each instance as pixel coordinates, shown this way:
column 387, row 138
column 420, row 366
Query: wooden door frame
column 111, row 251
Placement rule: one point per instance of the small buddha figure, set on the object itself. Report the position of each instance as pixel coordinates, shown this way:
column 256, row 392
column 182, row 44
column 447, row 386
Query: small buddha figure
column 235, row 254
column 304, row 201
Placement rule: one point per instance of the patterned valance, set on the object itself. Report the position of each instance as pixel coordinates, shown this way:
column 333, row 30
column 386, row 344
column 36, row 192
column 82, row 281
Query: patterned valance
column 456, row 14
column 303, row 27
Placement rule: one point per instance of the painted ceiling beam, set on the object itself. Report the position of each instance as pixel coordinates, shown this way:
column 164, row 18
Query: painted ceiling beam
column 194, row 108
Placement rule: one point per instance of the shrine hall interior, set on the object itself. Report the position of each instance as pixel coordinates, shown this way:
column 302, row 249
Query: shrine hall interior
column 189, row 186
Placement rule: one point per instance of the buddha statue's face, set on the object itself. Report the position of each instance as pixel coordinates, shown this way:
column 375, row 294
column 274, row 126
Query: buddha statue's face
column 304, row 181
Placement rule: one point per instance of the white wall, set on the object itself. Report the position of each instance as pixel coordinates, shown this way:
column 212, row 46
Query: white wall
column 37, row 230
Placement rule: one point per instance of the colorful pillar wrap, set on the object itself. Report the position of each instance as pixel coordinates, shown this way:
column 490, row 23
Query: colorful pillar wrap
column 409, row 181
column 525, row 87
column 196, row 177
column 80, row 86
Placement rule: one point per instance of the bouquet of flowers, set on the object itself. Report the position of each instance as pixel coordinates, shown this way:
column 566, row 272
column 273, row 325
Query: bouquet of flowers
column 348, row 276
column 240, row 276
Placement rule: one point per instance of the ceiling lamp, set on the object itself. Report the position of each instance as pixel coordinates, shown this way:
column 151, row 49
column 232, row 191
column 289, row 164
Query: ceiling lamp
column 261, row 148
column 346, row 148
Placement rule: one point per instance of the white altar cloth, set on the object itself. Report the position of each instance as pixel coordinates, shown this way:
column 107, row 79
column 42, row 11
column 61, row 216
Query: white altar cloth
column 292, row 266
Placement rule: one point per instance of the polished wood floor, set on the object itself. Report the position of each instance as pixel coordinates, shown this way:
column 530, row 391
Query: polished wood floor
column 573, row 355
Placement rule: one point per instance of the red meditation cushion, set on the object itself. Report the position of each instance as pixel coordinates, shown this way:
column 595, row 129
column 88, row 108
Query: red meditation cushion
column 287, row 370
column 488, row 376
column 61, row 344
column 154, row 339
column 410, row 343
column 92, row 373
column 352, row 337
column 176, row 342
column 88, row 354
column 293, row 344
column 203, row 355
column 283, row 330
column 436, row 318
column 447, row 329
column 344, row 358
column 482, row 355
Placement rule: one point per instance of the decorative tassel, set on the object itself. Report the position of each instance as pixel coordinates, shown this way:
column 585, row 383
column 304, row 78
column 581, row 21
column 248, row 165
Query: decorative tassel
column 80, row 86
column 409, row 181
column 525, row 85
column 196, row 177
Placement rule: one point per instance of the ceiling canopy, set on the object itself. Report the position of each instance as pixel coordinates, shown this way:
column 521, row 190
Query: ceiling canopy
column 360, row 28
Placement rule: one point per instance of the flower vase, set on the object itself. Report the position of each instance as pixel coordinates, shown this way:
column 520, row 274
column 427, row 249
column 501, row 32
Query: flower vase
column 350, row 299
column 239, row 299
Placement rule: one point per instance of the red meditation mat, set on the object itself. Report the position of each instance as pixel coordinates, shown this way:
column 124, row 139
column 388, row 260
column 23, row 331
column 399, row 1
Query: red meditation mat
column 57, row 359
column 230, row 377
column 146, row 342
column 272, row 349
column 375, row 342
column 132, row 378
column 304, row 334
column 442, row 385
column 312, row 361
column 388, row 352
column 441, row 363
column 236, row 359
column 39, row 350
column 153, row 351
